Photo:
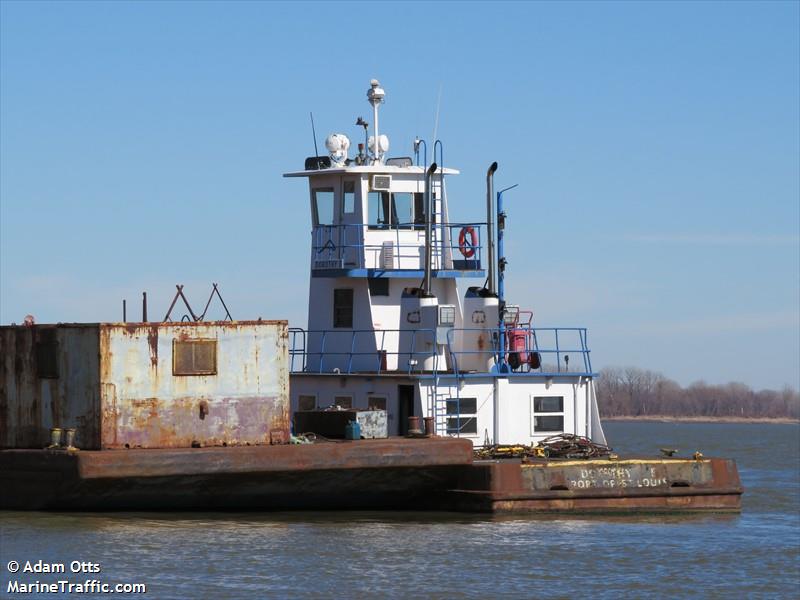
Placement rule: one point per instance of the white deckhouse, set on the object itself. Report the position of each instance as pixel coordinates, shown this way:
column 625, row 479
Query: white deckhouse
column 387, row 326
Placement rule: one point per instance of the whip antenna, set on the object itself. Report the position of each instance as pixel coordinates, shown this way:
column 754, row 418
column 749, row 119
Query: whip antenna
column 436, row 121
column 314, row 133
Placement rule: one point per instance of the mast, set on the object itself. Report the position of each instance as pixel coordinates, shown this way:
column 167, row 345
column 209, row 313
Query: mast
column 375, row 95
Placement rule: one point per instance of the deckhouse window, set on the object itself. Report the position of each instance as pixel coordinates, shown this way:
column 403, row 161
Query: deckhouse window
column 322, row 206
column 376, row 402
column 462, row 416
column 548, row 414
column 306, row 402
column 343, row 307
column 378, row 286
column 194, row 357
column 343, row 401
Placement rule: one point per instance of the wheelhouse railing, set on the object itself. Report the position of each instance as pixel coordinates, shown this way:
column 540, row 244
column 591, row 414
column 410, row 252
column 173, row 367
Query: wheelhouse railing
column 455, row 246
column 363, row 351
column 536, row 351
column 543, row 351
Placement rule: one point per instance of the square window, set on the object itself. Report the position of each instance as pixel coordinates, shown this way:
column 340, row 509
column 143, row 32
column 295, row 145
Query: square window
column 378, row 287
column 306, row 402
column 376, row 402
column 194, row 357
column 463, row 419
column 343, row 401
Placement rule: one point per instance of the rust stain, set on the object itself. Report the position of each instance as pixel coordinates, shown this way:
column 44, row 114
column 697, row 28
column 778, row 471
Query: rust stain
column 152, row 341
column 481, row 342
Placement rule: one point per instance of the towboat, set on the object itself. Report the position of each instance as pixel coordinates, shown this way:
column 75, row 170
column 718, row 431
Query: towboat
column 405, row 389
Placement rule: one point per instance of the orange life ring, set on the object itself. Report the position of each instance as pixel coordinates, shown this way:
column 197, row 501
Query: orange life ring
column 467, row 248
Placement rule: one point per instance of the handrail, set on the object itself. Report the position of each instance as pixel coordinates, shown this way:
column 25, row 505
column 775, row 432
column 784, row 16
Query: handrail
column 332, row 242
column 301, row 341
column 352, row 353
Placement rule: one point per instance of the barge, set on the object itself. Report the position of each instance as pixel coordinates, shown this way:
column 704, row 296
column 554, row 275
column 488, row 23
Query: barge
column 198, row 414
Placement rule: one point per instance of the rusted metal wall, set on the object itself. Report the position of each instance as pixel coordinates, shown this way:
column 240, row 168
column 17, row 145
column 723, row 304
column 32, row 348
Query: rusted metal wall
column 68, row 396
column 144, row 405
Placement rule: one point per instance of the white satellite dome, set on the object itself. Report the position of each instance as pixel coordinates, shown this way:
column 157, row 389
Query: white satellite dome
column 383, row 140
column 337, row 145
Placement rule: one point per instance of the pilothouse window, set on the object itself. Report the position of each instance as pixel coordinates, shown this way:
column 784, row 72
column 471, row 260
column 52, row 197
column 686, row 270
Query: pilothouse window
column 395, row 210
column 349, row 197
column 323, row 206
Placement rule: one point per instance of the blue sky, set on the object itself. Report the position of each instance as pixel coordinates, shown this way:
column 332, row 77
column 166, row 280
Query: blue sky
column 656, row 147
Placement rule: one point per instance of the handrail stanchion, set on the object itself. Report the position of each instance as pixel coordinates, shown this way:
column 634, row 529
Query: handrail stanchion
column 322, row 349
column 352, row 349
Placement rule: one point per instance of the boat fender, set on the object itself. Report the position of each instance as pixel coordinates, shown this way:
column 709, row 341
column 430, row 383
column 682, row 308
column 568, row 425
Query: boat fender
column 467, row 247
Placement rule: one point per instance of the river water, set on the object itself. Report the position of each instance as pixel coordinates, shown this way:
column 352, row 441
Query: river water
column 397, row 555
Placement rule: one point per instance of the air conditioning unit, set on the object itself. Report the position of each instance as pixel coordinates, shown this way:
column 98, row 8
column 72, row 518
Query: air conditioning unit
column 381, row 183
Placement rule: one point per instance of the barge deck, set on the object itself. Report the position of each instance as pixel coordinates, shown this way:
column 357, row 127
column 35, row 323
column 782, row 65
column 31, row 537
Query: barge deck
column 394, row 473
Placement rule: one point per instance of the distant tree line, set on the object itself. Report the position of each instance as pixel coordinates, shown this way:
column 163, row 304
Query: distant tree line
column 632, row 392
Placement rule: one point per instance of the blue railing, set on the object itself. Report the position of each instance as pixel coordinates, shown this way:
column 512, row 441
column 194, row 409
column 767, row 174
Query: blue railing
column 349, row 358
column 540, row 351
column 529, row 357
column 345, row 246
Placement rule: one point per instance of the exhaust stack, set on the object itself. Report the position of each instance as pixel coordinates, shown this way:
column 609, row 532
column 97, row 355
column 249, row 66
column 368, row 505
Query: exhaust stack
column 426, row 284
column 492, row 279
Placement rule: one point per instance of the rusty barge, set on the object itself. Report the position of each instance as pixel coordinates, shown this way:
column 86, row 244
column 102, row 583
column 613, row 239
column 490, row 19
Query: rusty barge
column 201, row 414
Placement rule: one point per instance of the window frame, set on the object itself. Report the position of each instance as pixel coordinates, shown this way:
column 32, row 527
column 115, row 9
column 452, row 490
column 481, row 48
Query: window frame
column 337, row 397
column 312, row 396
column 547, row 413
column 383, row 397
column 374, row 281
column 315, row 206
column 460, row 418
column 195, row 372
column 338, row 307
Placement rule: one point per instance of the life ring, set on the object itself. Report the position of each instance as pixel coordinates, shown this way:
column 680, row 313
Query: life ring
column 467, row 248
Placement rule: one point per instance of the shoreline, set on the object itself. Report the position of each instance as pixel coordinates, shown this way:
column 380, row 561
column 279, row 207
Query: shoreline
column 671, row 419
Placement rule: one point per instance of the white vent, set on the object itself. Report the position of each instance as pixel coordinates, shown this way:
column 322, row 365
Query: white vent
column 387, row 255
column 381, row 183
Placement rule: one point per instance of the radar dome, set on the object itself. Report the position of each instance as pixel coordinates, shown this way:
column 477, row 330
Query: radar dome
column 337, row 144
column 383, row 142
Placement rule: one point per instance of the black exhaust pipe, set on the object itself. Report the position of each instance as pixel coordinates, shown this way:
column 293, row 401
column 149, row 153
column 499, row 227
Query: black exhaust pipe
column 426, row 284
column 492, row 279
